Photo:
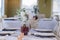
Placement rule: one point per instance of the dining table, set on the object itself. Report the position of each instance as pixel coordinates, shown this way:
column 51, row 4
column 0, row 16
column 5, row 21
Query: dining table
column 26, row 37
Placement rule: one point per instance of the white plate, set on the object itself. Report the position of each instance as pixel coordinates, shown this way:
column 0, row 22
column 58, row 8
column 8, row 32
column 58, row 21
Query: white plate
column 4, row 32
column 44, row 34
column 43, row 29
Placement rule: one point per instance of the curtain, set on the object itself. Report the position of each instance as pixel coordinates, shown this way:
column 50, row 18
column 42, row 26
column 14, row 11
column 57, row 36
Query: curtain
column 45, row 7
column 1, row 8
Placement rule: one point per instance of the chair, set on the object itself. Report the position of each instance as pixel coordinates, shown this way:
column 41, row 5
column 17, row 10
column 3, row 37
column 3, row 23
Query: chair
column 1, row 24
column 11, row 23
column 47, row 23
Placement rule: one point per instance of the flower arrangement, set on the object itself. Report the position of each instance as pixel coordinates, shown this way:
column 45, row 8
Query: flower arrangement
column 22, row 14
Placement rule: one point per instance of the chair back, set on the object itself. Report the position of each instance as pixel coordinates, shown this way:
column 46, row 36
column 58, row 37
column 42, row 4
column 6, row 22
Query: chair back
column 47, row 23
column 11, row 23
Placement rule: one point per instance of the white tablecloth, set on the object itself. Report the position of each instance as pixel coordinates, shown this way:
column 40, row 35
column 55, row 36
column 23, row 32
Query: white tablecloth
column 8, row 38
column 25, row 38
column 37, row 38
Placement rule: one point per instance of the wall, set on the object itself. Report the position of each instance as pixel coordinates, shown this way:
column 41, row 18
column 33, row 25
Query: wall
column 45, row 9
column 11, row 7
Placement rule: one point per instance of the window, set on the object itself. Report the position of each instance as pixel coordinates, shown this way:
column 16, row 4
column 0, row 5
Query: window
column 1, row 8
column 56, row 7
column 29, row 5
column 29, row 2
